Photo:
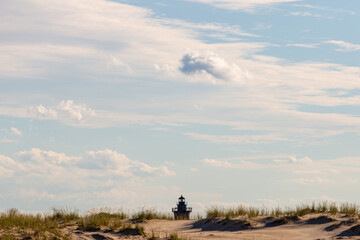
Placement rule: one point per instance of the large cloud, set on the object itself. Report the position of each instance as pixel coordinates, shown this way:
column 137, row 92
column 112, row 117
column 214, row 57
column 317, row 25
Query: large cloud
column 103, row 162
column 210, row 63
column 39, row 179
column 61, row 39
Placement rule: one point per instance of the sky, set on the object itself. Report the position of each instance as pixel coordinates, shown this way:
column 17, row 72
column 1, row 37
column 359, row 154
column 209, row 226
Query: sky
column 131, row 103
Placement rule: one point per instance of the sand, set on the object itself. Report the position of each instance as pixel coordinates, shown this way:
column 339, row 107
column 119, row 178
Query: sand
column 311, row 226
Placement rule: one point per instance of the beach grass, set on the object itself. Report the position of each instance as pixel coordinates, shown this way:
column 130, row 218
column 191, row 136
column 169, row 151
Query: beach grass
column 102, row 217
column 150, row 213
column 349, row 209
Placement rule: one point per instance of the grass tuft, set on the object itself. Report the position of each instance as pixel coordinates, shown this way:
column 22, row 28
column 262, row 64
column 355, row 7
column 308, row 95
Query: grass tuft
column 175, row 236
column 97, row 218
column 150, row 213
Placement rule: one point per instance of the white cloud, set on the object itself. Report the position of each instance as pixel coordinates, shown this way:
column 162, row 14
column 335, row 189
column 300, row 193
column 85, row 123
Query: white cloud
column 216, row 28
column 45, row 158
column 262, row 26
column 244, row 139
column 16, row 131
column 43, row 112
column 76, row 112
column 104, row 162
column 218, row 163
column 292, row 169
column 303, row 45
column 119, row 164
column 243, row 4
column 89, row 179
column 210, row 63
column 305, row 14
column 65, row 111
column 300, row 160
column 97, row 52
column 8, row 135
column 8, row 166
column 345, row 46
column 241, row 164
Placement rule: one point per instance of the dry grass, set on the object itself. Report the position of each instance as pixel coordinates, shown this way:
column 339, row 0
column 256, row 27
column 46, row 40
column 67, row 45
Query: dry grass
column 300, row 210
column 175, row 236
column 29, row 225
column 150, row 213
column 16, row 225
column 103, row 217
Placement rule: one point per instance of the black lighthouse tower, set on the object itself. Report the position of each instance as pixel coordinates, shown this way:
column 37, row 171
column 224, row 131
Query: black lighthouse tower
column 181, row 211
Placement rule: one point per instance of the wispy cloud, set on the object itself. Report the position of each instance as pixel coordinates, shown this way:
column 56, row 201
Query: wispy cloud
column 301, row 170
column 9, row 135
column 322, row 8
column 345, row 46
column 16, row 131
column 242, row 5
column 306, row 14
column 233, row 30
column 303, row 45
column 245, row 139
column 244, row 165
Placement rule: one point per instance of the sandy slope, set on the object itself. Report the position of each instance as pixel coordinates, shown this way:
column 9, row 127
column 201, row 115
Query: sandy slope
column 308, row 227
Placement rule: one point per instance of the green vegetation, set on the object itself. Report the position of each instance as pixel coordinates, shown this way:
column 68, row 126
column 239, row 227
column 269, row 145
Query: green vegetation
column 65, row 215
column 96, row 218
column 300, row 210
column 28, row 225
column 16, row 225
column 233, row 212
column 149, row 213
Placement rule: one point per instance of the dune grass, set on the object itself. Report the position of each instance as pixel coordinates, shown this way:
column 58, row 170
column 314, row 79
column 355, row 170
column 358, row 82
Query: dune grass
column 151, row 213
column 16, row 225
column 29, row 225
column 175, row 236
column 349, row 209
column 103, row 217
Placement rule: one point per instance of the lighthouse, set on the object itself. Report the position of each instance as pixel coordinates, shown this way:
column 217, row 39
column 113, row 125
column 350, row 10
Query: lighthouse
column 181, row 212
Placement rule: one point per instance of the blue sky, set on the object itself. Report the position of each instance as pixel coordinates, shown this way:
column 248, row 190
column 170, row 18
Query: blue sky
column 132, row 103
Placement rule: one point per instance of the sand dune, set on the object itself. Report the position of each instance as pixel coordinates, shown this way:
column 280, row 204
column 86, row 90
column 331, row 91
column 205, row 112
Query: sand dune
column 311, row 226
